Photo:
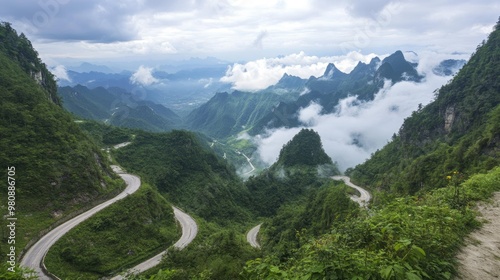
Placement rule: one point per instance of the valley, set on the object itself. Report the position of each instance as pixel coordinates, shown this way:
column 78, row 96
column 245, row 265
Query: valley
column 380, row 169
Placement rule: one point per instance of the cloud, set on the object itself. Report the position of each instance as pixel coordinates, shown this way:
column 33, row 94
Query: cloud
column 357, row 128
column 143, row 76
column 257, row 43
column 60, row 72
column 227, row 28
column 367, row 8
column 262, row 73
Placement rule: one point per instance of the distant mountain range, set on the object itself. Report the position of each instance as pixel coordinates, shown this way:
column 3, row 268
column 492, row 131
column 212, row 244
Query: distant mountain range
column 118, row 107
column 183, row 86
column 278, row 105
column 225, row 114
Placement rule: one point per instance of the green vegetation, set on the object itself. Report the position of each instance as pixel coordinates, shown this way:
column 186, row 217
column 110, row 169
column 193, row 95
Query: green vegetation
column 301, row 166
column 407, row 238
column 118, row 107
column 127, row 232
column 304, row 149
column 20, row 273
column 19, row 49
column 218, row 254
column 188, row 174
column 107, row 135
column 403, row 236
column 228, row 114
column 299, row 220
column 58, row 170
column 426, row 182
column 458, row 131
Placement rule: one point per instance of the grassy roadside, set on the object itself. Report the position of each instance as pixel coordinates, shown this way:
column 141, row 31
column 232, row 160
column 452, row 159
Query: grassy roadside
column 126, row 233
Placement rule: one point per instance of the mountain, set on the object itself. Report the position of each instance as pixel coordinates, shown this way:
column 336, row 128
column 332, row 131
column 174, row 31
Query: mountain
column 58, row 169
column 93, row 79
column 228, row 114
column 118, row 107
column 86, row 67
column 458, row 131
column 302, row 165
column 305, row 148
column 396, row 68
column 183, row 85
column 287, row 84
column 364, row 81
column 448, row 67
column 426, row 183
column 188, row 174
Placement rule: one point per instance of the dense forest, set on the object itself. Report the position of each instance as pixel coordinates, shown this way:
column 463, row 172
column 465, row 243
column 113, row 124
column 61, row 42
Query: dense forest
column 58, row 169
column 458, row 131
column 426, row 182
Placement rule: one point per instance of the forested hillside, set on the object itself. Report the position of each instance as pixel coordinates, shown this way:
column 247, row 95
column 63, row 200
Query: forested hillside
column 187, row 174
column 459, row 131
column 452, row 143
column 227, row 114
column 302, row 165
column 57, row 169
column 118, row 107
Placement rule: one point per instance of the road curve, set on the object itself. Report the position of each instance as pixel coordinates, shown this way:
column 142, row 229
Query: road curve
column 189, row 231
column 36, row 254
column 365, row 195
column 361, row 200
column 34, row 257
column 252, row 236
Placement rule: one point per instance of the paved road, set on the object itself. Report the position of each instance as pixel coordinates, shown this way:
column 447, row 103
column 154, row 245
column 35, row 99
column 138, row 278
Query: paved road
column 35, row 255
column 34, row 258
column 362, row 200
column 365, row 195
column 252, row 236
column 122, row 145
column 189, row 231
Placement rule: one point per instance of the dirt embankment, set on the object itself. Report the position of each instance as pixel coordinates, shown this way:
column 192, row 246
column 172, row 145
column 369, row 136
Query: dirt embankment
column 480, row 258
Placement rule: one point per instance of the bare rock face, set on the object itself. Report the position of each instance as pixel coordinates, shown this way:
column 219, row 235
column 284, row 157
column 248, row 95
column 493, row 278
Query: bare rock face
column 449, row 117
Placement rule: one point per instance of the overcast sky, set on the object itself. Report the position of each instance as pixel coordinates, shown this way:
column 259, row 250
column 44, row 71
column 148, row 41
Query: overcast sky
column 240, row 30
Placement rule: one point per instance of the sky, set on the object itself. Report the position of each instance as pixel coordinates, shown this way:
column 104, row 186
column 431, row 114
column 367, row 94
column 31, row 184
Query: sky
column 261, row 40
column 149, row 31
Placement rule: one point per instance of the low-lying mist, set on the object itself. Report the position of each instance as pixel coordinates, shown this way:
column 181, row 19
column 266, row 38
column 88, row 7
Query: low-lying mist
column 358, row 128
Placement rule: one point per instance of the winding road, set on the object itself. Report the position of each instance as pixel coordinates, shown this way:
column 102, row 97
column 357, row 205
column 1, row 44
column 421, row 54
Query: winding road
column 34, row 257
column 362, row 200
column 365, row 196
column 189, row 231
column 252, row 236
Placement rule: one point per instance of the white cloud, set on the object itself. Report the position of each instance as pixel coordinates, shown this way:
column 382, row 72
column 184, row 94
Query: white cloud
column 60, row 72
column 143, row 76
column 261, row 73
column 357, row 129
column 228, row 28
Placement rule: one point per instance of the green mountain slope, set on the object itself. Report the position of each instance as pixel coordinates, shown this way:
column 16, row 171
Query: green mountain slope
column 402, row 236
column 304, row 149
column 301, row 166
column 459, row 131
column 188, row 174
column 58, row 170
column 118, row 107
column 129, row 231
column 227, row 114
